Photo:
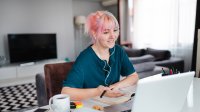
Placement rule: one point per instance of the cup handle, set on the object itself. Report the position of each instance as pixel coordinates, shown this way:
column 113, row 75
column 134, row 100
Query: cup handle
column 50, row 103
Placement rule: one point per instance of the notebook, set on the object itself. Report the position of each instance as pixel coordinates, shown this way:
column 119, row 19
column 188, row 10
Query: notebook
column 128, row 91
column 159, row 94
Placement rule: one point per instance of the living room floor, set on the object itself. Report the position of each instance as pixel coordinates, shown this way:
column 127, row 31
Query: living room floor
column 18, row 94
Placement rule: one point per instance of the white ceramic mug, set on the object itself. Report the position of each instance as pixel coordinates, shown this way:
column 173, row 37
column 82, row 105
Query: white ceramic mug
column 60, row 103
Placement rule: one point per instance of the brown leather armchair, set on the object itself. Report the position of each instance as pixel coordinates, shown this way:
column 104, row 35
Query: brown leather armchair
column 51, row 84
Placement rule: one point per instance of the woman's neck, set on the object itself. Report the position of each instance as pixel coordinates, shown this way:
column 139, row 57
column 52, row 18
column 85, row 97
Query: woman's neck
column 101, row 52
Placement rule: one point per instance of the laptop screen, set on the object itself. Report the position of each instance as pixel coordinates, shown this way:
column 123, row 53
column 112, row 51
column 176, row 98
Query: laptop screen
column 158, row 94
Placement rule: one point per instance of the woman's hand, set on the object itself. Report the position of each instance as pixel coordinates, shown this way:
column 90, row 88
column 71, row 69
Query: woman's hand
column 110, row 92
column 102, row 88
column 126, row 82
column 113, row 93
column 115, row 86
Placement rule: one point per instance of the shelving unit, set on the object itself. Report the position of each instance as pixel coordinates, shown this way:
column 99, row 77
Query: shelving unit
column 17, row 71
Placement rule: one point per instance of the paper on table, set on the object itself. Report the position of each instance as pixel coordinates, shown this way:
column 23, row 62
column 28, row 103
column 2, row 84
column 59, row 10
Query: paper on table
column 128, row 91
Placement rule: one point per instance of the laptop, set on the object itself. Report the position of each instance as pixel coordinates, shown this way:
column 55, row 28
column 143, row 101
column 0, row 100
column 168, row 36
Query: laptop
column 158, row 94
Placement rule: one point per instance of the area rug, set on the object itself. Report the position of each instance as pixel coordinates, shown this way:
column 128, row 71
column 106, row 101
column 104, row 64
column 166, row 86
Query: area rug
column 18, row 97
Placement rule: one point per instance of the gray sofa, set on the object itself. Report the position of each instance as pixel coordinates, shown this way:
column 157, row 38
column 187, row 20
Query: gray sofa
column 150, row 61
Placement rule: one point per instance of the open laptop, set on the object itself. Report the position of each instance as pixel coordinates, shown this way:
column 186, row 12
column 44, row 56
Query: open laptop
column 159, row 94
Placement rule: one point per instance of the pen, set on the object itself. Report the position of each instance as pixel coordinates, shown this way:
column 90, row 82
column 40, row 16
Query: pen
column 170, row 72
column 173, row 70
column 104, row 93
column 163, row 72
column 176, row 71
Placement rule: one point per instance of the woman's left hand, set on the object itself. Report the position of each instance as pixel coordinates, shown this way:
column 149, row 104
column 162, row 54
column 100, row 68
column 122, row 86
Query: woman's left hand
column 113, row 93
column 115, row 87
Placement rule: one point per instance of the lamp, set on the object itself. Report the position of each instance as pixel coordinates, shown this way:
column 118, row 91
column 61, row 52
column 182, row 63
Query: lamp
column 80, row 20
column 109, row 2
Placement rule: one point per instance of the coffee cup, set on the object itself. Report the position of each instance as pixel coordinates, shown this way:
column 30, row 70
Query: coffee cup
column 60, row 103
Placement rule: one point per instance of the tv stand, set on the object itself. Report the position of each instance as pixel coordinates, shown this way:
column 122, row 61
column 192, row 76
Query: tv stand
column 16, row 71
column 27, row 64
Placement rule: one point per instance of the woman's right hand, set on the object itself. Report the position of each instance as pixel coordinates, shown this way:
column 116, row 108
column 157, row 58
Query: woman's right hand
column 113, row 93
column 110, row 92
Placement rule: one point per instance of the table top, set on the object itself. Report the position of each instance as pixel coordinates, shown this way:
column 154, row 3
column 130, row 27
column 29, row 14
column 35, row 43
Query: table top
column 192, row 103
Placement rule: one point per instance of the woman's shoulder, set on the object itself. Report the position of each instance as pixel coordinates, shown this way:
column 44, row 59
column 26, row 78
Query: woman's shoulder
column 117, row 46
column 85, row 54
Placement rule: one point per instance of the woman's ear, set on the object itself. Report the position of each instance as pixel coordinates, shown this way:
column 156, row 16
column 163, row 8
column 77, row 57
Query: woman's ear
column 94, row 35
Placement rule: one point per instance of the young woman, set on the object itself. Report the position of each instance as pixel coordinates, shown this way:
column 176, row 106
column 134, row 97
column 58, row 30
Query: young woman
column 98, row 67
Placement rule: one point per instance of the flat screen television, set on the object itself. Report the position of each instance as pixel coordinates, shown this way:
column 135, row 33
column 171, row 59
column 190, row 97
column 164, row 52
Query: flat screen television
column 31, row 47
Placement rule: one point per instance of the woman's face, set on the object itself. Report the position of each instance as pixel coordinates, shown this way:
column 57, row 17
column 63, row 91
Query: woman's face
column 107, row 37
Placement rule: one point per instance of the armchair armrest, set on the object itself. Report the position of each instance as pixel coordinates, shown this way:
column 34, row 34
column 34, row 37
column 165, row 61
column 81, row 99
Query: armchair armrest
column 41, row 90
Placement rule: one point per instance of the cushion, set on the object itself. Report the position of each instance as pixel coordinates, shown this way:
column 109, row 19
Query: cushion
column 134, row 52
column 142, row 59
column 142, row 67
column 159, row 54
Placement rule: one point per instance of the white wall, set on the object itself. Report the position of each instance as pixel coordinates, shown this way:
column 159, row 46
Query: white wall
column 84, row 8
column 113, row 9
column 38, row 16
column 45, row 16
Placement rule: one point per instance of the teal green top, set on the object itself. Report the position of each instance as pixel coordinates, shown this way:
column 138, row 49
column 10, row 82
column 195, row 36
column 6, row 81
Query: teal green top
column 89, row 71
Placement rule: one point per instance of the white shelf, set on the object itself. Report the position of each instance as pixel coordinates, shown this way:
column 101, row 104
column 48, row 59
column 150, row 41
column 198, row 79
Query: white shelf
column 31, row 70
column 17, row 71
column 7, row 72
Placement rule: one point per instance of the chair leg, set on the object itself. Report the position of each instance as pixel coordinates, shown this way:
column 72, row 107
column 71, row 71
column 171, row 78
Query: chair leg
column 41, row 90
column 199, row 75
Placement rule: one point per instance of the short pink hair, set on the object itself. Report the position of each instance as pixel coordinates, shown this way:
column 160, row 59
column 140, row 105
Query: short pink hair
column 98, row 21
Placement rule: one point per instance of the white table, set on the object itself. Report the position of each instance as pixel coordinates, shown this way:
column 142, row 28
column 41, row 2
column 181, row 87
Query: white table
column 192, row 104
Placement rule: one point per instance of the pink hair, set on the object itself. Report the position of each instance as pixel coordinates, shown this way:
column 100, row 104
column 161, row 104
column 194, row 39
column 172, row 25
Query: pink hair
column 99, row 21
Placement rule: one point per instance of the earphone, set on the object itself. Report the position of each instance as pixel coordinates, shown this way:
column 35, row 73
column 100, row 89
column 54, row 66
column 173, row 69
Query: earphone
column 107, row 70
column 107, row 74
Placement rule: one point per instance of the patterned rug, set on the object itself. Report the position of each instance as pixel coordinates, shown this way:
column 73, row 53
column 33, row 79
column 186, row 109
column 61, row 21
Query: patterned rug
column 18, row 97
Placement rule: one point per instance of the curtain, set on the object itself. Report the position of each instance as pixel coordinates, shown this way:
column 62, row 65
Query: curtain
column 164, row 24
column 124, row 20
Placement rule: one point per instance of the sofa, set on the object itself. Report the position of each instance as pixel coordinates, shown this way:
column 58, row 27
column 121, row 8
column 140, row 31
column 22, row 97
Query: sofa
column 150, row 61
